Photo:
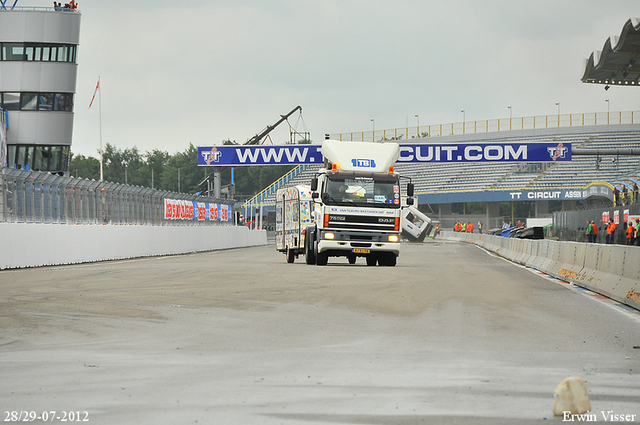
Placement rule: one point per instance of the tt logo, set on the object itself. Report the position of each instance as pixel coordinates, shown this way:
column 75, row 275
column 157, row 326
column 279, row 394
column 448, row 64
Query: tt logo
column 211, row 156
column 558, row 152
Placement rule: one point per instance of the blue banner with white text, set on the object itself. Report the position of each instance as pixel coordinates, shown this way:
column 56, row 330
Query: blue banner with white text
column 235, row 156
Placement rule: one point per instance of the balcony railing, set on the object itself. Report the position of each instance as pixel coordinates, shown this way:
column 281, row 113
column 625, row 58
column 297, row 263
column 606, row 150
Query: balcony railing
column 494, row 125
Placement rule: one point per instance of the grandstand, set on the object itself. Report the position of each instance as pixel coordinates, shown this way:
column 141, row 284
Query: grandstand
column 573, row 175
column 442, row 184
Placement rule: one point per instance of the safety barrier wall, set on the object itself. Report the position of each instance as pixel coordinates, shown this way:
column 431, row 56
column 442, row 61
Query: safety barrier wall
column 610, row 270
column 31, row 245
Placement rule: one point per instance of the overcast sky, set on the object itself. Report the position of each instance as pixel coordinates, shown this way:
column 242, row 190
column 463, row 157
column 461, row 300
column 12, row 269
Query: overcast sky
column 202, row 71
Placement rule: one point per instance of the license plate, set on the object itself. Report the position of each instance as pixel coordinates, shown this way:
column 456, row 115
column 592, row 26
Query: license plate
column 361, row 251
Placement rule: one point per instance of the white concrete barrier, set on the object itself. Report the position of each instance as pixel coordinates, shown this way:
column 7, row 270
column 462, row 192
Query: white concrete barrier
column 32, row 245
column 610, row 270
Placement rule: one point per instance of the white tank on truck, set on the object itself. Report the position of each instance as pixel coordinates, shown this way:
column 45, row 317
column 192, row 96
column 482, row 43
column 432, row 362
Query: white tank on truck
column 357, row 204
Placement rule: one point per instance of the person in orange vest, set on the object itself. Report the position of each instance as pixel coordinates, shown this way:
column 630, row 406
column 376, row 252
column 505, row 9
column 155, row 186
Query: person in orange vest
column 457, row 227
column 594, row 229
column 470, row 227
column 630, row 234
column 611, row 231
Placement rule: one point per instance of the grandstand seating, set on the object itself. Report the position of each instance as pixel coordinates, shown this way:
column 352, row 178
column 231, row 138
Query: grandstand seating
column 480, row 177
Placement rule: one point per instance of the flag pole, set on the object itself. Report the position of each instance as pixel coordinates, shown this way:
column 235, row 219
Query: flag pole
column 100, row 119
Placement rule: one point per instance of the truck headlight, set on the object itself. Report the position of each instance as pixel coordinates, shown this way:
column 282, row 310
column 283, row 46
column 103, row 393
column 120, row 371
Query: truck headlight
column 329, row 235
column 393, row 238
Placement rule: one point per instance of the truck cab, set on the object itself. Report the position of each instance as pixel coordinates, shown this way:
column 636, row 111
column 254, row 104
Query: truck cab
column 357, row 204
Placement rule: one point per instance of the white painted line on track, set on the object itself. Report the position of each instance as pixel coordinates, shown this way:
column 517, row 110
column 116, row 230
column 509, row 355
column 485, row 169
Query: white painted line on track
column 618, row 306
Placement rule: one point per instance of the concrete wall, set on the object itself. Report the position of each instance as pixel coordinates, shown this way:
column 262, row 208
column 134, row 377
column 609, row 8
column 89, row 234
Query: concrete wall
column 30, row 245
column 611, row 270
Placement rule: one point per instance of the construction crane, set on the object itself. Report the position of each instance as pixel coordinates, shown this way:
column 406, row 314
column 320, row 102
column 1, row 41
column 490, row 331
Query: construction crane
column 213, row 180
column 255, row 140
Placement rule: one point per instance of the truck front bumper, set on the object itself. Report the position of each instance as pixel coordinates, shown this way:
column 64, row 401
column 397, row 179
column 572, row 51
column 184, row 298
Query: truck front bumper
column 349, row 243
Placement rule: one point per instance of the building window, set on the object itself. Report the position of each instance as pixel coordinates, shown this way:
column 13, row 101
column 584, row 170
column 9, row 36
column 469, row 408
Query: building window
column 38, row 52
column 37, row 101
column 10, row 101
column 46, row 102
column 64, row 102
column 39, row 157
column 29, row 102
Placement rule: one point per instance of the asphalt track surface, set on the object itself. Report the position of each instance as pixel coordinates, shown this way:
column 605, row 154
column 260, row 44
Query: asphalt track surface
column 451, row 335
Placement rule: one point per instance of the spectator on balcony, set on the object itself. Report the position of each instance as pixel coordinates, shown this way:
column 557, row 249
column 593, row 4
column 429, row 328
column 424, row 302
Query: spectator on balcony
column 616, row 196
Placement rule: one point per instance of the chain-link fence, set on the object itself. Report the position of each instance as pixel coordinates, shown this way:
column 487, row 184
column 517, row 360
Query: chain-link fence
column 41, row 197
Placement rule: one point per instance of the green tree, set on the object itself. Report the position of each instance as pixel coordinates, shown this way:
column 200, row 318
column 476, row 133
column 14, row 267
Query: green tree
column 153, row 166
column 84, row 167
column 123, row 166
column 190, row 174
column 177, row 172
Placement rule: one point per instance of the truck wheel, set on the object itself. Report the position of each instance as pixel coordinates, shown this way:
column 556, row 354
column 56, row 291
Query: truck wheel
column 290, row 255
column 309, row 254
column 371, row 260
column 322, row 258
column 390, row 259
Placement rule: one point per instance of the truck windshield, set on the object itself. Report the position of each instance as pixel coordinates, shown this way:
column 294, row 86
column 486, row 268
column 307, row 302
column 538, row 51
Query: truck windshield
column 364, row 191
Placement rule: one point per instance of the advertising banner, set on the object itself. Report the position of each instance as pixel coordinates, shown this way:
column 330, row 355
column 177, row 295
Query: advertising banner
column 176, row 209
column 409, row 153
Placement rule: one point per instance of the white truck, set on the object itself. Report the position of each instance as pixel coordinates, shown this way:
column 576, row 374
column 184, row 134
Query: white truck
column 355, row 210
column 293, row 215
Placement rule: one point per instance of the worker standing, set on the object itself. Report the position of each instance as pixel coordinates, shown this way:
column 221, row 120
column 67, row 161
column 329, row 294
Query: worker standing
column 630, row 234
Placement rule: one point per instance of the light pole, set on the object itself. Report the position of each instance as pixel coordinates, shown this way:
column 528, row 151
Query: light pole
column 418, row 125
column 558, row 105
column 463, row 120
column 373, row 134
column 607, row 100
column 509, row 116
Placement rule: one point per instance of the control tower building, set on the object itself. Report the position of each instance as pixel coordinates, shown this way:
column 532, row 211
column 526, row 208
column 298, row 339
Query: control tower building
column 38, row 70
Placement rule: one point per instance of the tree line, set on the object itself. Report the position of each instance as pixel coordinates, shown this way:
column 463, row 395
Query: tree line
column 178, row 172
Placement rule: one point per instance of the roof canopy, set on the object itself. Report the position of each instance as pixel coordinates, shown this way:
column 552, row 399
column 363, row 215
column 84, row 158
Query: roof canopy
column 618, row 63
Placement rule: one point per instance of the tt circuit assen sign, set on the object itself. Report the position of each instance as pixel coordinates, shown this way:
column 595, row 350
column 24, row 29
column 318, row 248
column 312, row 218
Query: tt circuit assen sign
column 235, row 156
